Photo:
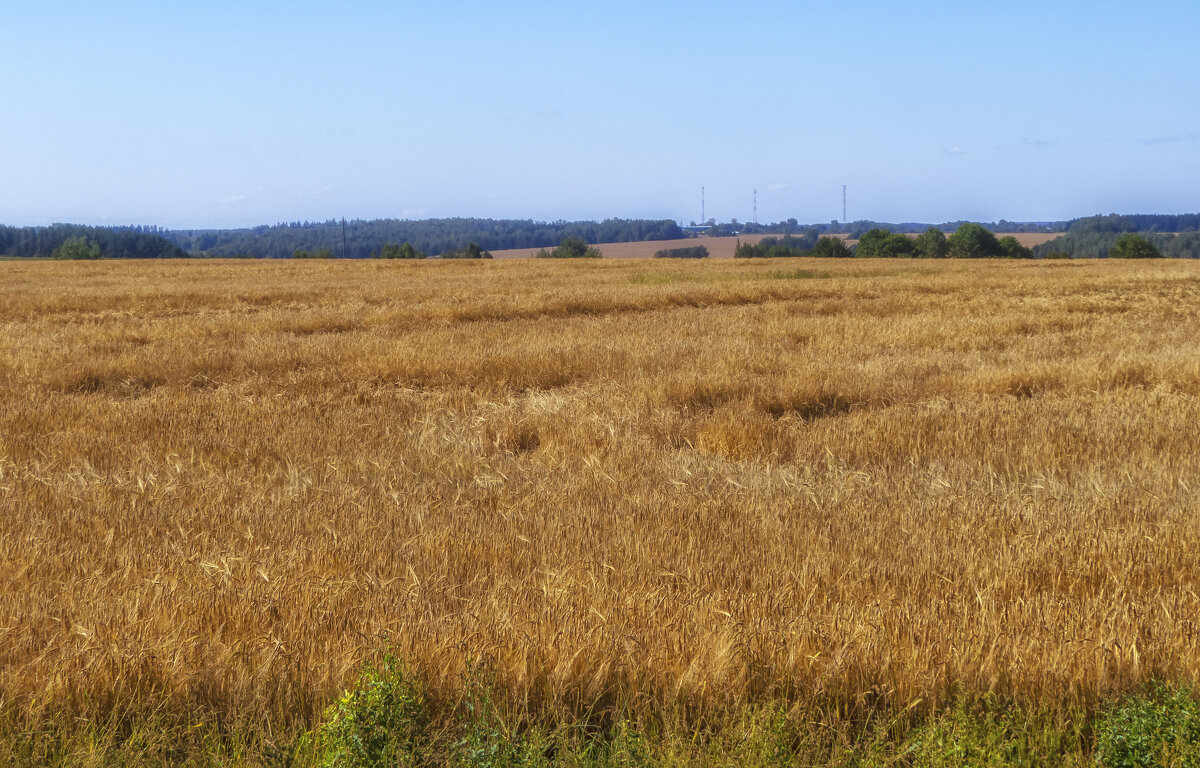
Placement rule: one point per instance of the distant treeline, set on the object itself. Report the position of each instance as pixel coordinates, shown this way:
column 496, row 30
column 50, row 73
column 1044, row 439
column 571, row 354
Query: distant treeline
column 1095, row 237
column 1091, row 237
column 1142, row 222
column 113, row 242
column 968, row 241
column 808, row 244
column 432, row 236
column 1099, row 245
column 858, row 228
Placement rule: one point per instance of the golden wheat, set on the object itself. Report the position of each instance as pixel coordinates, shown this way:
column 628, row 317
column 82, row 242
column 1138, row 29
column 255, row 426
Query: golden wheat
column 613, row 485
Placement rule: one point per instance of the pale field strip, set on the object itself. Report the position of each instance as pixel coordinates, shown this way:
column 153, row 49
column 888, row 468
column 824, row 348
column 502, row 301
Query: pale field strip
column 627, row 484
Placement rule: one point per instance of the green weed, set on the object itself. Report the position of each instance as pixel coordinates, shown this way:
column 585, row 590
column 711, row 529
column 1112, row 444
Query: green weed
column 1158, row 728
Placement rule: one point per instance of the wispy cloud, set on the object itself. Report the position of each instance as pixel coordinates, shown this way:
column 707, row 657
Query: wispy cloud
column 1174, row 138
column 954, row 151
column 1031, row 142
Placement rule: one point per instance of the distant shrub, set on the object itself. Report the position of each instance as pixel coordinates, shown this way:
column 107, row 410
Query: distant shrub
column 932, row 244
column 974, row 241
column 471, row 251
column 323, row 253
column 787, row 246
column 1012, row 248
column 393, row 251
column 1131, row 246
column 832, row 248
column 882, row 244
column 570, row 248
column 1160, row 727
column 77, row 248
column 694, row 252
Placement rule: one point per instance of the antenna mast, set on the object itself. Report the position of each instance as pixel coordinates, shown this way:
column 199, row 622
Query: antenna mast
column 756, row 206
column 843, row 203
column 343, row 237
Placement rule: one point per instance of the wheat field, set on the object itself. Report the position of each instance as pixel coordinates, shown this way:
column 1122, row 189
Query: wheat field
column 615, row 486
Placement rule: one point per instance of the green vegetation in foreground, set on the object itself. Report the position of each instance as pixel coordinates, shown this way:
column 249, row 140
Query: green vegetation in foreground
column 389, row 719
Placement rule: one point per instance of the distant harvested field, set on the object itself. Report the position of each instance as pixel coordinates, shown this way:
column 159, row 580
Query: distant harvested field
column 614, row 487
column 718, row 247
column 1030, row 239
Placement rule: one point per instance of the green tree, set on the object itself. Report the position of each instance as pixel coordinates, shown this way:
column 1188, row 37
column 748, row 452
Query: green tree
column 831, row 247
column 932, row 244
column 77, row 248
column 570, row 248
column 405, row 251
column 1131, row 246
column 1013, row 249
column 471, row 251
column 881, row 244
column 788, row 246
column 973, row 241
column 870, row 243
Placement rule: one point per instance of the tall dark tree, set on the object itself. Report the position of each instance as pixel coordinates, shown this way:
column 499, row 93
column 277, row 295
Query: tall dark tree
column 881, row 244
column 77, row 248
column 931, row 244
column 1012, row 248
column 470, row 251
column 393, row 251
column 831, row 247
column 570, row 248
column 1131, row 246
column 973, row 241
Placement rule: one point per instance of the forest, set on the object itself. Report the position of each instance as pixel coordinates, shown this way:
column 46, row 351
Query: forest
column 858, row 228
column 1172, row 236
column 112, row 242
column 1094, row 237
column 431, row 236
column 968, row 241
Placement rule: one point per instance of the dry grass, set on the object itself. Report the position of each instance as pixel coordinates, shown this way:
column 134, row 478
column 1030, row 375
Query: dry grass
column 613, row 485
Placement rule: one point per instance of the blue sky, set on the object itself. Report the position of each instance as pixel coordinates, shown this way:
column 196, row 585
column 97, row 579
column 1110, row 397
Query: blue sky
column 189, row 114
